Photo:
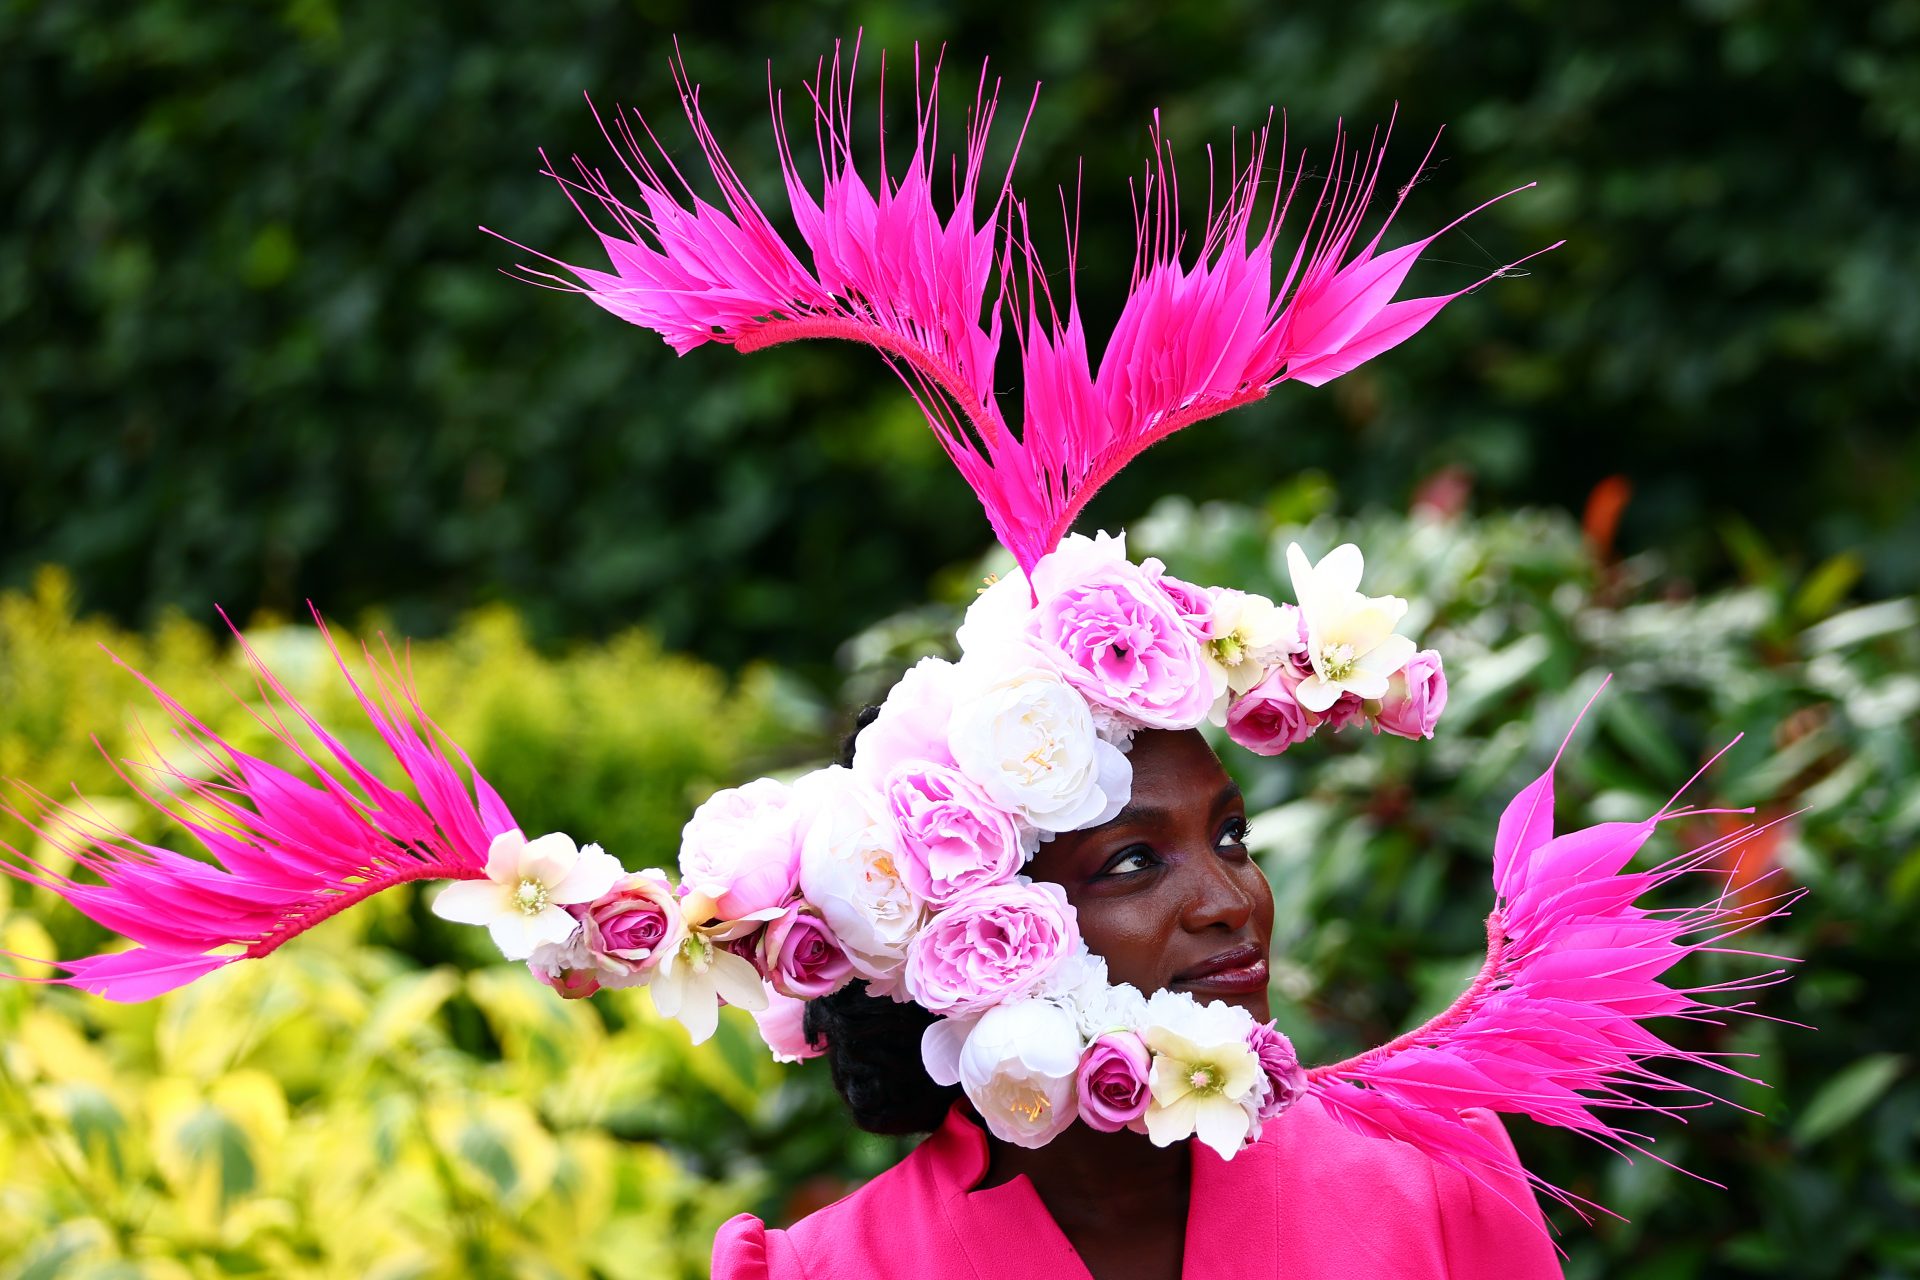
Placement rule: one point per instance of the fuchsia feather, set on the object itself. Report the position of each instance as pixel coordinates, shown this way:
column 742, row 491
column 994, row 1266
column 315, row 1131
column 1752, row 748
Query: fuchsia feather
column 1553, row 1026
column 1191, row 341
column 287, row 853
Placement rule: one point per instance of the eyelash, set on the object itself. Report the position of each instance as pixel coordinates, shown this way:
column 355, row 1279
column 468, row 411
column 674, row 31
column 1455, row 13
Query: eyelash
column 1235, row 834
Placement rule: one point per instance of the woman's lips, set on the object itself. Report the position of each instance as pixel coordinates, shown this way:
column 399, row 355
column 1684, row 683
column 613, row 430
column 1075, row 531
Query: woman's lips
column 1240, row 971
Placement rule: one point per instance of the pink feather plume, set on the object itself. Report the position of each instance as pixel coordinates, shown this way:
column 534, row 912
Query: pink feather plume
column 1554, row 1027
column 285, row 853
column 1193, row 339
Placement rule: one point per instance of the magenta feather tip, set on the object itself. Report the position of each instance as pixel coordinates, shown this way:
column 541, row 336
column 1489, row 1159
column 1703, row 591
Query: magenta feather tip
column 283, row 852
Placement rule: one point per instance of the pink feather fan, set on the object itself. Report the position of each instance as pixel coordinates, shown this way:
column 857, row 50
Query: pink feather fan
column 1554, row 1026
column 286, row 853
column 1192, row 340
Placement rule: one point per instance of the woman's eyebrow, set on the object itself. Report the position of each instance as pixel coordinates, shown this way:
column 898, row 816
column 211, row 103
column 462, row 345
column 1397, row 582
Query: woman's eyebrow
column 1228, row 794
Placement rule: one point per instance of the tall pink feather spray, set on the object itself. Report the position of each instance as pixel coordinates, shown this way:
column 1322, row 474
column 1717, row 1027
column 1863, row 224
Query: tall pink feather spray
column 887, row 269
column 285, row 852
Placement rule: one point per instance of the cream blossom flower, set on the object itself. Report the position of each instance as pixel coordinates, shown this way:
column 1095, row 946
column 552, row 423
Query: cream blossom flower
column 1247, row 634
column 700, row 972
column 529, row 885
column 1350, row 641
column 1205, row 1075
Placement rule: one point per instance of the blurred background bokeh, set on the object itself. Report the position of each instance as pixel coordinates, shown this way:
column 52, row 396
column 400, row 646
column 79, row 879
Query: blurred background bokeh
column 254, row 351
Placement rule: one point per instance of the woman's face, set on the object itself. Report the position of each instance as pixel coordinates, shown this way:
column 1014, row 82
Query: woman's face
column 1167, row 892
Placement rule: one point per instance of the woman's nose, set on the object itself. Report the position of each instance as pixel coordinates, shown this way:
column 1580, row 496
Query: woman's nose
column 1212, row 895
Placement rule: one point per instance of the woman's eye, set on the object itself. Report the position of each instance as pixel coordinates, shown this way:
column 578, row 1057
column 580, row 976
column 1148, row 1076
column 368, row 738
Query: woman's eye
column 1138, row 858
column 1235, row 833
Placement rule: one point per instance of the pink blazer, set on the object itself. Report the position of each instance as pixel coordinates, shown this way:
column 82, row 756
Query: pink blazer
column 1310, row 1201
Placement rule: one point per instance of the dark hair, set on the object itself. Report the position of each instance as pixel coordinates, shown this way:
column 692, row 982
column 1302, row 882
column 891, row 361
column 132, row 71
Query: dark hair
column 873, row 1043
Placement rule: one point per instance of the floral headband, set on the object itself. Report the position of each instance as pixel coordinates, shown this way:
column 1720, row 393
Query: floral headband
column 905, row 869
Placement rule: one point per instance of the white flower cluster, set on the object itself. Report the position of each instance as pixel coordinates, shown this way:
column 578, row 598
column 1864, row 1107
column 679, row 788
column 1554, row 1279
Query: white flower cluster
column 904, row 870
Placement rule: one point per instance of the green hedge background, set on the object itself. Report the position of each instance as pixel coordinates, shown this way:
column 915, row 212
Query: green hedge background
column 253, row 350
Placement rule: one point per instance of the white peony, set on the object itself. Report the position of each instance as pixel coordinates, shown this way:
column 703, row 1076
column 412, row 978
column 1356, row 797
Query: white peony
column 1350, row 639
column 850, row 872
column 1028, row 739
column 1018, row 1067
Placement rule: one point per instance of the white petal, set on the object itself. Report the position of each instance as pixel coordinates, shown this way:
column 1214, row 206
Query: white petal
column 1365, row 685
column 1301, row 572
column 503, row 856
column 595, row 872
column 668, row 989
column 940, row 1046
column 1168, row 1125
column 1338, row 572
column 737, row 982
column 549, row 858
column 699, row 1009
column 1221, row 1124
column 553, row 925
column 1386, row 658
column 472, row 902
column 1315, row 694
column 515, row 935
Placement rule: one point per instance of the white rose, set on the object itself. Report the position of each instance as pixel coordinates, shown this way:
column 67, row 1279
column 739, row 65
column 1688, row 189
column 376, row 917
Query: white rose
column 1028, row 738
column 1018, row 1068
column 849, row 872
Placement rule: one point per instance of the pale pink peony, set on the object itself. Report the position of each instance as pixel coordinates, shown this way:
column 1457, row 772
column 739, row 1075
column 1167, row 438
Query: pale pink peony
column 953, row 838
column 1112, row 1082
column 912, row 723
column 742, row 849
column 991, row 947
column 1286, row 1078
column 799, row 956
column 1415, row 698
column 1266, row 719
column 1117, row 636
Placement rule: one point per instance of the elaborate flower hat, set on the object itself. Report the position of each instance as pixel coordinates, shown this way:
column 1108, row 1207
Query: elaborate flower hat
column 905, row 870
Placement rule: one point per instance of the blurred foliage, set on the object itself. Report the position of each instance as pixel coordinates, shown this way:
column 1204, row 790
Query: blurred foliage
column 252, row 348
column 381, row 1101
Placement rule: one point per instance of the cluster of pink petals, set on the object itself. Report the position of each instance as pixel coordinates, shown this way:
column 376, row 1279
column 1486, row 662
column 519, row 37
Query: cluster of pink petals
column 884, row 267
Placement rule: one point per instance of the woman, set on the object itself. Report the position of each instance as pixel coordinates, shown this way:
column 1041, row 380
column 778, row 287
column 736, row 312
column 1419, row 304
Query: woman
column 1167, row 893
column 1029, row 880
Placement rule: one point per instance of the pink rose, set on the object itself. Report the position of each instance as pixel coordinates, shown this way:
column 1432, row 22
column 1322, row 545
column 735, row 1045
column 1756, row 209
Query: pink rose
column 1112, row 1082
column 1286, row 1079
column 1415, row 698
column 627, row 930
column 572, row 984
column 953, row 839
column 783, row 1026
column 1266, row 719
column 1347, row 709
column 742, row 849
column 1117, row 637
column 992, row 946
column 800, row 957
